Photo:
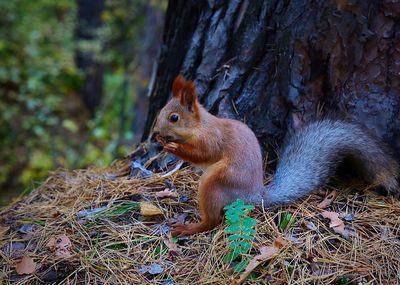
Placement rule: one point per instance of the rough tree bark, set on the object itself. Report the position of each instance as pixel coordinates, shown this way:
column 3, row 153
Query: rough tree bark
column 275, row 63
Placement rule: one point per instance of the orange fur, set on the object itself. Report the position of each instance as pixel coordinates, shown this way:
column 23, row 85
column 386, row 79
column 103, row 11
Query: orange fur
column 185, row 91
column 178, row 85
column 227, row 151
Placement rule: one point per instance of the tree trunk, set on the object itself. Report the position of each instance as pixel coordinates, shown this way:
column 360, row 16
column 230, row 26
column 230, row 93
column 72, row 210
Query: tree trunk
column 150, row 38
column 88, row 21
column 274, row 64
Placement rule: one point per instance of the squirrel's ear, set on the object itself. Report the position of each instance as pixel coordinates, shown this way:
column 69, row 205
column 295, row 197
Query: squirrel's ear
column 189, row 97
column 178, row 85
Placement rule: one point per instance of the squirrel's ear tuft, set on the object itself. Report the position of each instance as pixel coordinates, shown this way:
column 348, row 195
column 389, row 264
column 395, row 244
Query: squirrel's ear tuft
column 189, row 97
column 186, row 92
column 178, row 85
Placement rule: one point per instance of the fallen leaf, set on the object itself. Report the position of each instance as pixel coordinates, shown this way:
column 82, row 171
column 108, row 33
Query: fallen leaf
column 337, row 224
column 266, row 253
column 14, row 249
column 153, row 269
column 328, row 200
column 26, row 265
column 167, row 194
column 173, row 248
column 333, row 217
column 148, row 209
column 279, row 243
column 61, row 245
column 90, row 212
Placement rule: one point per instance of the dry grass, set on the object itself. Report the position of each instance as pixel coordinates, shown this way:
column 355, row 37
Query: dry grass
column 112, row 248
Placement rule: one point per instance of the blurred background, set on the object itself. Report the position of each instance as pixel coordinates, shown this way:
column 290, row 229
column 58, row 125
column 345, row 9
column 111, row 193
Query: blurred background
column 73, row 84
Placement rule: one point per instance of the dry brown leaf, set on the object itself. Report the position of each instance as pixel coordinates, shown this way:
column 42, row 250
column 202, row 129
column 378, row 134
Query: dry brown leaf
column 337, row 224
column 279, row 243
column 167, row 194
column 333, row 217
column 266, row 253
column 172, row 247
column 148, row 209
column 26, row 265
column 61, row 245
column 328, row 200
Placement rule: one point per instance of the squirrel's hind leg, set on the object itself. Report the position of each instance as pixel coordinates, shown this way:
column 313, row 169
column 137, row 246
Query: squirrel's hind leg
column 210, row 204
column 212, row 197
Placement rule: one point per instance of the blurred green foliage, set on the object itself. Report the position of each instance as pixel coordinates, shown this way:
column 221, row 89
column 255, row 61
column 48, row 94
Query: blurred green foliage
column 43, row 123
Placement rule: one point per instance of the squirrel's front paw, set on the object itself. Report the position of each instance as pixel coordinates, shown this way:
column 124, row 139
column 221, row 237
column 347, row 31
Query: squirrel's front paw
column 171, row 147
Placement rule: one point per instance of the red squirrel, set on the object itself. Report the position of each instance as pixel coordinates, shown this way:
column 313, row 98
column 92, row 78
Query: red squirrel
column 229, row 154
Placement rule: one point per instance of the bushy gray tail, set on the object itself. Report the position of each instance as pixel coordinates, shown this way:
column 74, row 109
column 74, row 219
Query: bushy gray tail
column 312, row 155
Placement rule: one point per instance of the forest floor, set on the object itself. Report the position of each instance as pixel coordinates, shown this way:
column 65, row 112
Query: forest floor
column 104, row 226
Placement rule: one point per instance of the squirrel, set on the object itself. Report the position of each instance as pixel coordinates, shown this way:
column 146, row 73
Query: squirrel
column 229, row 154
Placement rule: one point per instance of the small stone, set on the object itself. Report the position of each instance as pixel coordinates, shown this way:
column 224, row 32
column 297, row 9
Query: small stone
column 155, row 269
column 349, row 217
column 183, row 199
column 26, row 228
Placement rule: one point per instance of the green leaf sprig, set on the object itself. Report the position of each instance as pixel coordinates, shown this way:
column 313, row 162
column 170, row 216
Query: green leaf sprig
column 241, row 232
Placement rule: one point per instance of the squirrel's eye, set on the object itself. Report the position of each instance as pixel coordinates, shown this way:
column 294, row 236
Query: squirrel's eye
column 173, row 118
